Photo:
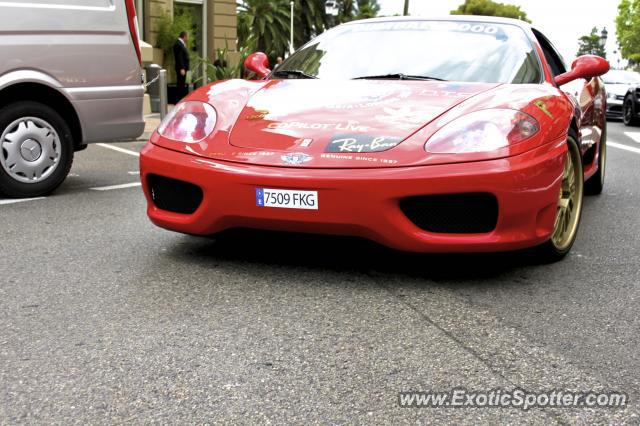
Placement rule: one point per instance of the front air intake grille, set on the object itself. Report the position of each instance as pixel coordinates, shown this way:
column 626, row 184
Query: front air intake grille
column 174, row 195
column 472, row 213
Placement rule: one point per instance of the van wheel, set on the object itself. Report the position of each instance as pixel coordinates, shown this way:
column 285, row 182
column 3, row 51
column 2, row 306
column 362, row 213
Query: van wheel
column 36, row 149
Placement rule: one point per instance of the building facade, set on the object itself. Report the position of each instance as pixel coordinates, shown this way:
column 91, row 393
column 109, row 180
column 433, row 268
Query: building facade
column 215, row 24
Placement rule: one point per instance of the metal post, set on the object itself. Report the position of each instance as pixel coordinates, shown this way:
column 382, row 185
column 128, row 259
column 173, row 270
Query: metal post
column 163, row 93
column 291, row 41
column 205, row 41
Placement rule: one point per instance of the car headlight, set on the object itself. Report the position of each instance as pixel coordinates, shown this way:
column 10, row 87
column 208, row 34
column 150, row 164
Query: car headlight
column 483, row 131
column 189, row 122
column 611, row 95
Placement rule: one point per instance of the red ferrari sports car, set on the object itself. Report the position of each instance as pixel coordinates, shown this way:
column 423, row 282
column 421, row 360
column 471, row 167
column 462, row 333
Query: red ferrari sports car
column 463, row 134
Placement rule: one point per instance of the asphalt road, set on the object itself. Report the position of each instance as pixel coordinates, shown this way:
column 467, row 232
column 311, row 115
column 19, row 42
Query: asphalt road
column 105, row 318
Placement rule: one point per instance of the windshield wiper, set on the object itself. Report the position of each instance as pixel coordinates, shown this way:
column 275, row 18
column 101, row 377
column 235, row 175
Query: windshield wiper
column 292, row 73
column 398, row 76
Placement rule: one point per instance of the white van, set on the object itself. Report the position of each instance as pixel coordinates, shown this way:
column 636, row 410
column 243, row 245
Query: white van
column 70, row 74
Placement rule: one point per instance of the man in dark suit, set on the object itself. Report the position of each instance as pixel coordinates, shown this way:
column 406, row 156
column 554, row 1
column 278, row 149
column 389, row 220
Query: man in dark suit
column 181, row 56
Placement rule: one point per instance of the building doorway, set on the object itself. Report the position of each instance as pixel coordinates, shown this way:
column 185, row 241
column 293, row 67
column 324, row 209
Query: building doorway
column 194, row 11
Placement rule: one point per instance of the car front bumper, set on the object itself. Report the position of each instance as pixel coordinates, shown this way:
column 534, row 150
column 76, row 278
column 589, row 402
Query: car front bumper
column 366, row 202
column 614, row 108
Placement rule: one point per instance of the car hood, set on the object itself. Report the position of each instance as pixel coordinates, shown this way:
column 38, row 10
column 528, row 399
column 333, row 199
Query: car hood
column 342, row 116
column 344, row 124
column 619, row 89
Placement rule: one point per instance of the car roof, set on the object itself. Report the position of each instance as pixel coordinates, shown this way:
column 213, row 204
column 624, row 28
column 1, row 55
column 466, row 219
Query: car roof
column 462, row 18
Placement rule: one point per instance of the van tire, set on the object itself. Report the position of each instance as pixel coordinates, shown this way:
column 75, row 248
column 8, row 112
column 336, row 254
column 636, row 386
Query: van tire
column 38, row 127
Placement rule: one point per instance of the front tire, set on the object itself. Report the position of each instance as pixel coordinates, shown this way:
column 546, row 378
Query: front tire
column 569, row 208
column 629, row 112
column 36, row 149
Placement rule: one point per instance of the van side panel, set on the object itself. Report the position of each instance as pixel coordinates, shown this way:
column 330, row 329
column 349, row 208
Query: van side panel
column 86, row 48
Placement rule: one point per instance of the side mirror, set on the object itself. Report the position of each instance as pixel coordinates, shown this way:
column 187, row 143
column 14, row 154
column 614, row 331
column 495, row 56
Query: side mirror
column 258, row 63
column 586, row 66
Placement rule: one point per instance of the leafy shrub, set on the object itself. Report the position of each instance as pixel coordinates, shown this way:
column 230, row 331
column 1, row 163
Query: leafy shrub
column 221, row 68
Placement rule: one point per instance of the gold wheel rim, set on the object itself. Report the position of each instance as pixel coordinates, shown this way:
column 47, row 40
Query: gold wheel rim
column 569, row 201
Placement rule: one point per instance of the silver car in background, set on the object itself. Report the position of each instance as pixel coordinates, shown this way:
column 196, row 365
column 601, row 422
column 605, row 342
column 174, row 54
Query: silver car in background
column 70, row 75
column 617, row 84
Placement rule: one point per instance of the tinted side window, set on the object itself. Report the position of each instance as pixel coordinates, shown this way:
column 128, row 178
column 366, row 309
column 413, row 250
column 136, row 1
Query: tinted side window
column 555, row 61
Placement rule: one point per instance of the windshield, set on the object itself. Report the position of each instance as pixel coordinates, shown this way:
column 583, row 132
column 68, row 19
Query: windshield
column 444, row 50
column 621, row 77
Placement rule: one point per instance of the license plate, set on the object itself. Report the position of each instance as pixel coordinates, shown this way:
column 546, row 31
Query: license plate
column 287, row 198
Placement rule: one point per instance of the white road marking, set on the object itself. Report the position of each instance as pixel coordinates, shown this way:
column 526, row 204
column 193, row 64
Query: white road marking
column 109, row 188
column 635, row 136
column 623, row 147
column 117, row 148
column 20, row 200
